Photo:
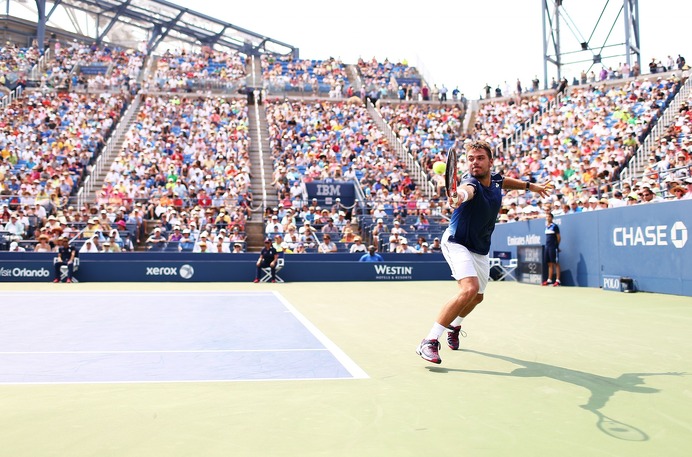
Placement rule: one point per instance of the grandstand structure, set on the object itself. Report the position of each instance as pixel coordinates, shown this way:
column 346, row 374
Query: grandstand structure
column 165, row 118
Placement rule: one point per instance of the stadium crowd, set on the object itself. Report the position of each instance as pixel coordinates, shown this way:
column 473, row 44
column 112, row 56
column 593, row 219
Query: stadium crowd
column 184, row 167
column 285, row 74
column 183, row 71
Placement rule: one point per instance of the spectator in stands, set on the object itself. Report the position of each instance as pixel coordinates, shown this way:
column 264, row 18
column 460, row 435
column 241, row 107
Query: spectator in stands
column 393, row 242
column 404, row 248
column 648, row 195
column 371, row 256
column 237, row 248
column 308, row 238
column 273, row 226
column 14, row 228
column 292, row 238
column 330, row 228
column 357, row 246
column 348, row 236
column 436, row 246
column 204, row 238
column 111, row 246
column 379, row 232
column 397, row 228
column 156, row 242
column 66, row 256
column 43, row 245
column 15, row 247
column 633, row 199
column 89, row 247
column 176, row 235
column 327, row 246
column 616, row 201
column 186, row 243
column 221, row 245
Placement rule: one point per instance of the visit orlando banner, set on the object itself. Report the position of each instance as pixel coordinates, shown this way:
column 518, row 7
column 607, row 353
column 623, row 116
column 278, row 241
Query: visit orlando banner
column 195, row 267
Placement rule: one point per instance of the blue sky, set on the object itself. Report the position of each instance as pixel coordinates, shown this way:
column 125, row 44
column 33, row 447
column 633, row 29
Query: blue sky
column 458, row 43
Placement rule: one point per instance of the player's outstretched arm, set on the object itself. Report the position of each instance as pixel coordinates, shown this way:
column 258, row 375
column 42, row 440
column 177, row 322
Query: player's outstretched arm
column 464, row 193
column 543, row 190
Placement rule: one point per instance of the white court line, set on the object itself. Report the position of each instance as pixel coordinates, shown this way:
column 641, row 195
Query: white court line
column 171, row 381
column 356, row 371
column 146, row 292
column 202, row 351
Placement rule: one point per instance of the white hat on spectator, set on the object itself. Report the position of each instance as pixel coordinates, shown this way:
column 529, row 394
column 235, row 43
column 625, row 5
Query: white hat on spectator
column 380, row 221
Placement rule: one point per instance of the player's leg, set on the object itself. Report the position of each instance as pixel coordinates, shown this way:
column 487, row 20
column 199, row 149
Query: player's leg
column 557, row 274
column 464, row 300
column 482, row 266
column 463, row 266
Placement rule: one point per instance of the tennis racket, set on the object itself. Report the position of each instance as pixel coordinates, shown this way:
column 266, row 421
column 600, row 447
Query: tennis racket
column 451, row 176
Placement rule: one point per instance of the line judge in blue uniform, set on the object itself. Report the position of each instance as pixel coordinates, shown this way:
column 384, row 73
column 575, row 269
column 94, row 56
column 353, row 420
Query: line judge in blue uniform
column 466, row 242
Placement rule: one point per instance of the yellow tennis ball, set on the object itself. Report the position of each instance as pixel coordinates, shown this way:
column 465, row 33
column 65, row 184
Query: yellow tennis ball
column 439, row 167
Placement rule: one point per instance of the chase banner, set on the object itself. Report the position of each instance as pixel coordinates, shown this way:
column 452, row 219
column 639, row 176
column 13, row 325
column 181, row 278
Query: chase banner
column 649, row 243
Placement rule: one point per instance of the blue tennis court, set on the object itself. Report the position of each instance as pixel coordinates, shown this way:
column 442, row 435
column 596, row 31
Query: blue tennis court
column 114, row 336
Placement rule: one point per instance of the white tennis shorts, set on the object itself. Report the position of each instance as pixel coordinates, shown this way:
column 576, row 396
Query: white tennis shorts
column 465, row 264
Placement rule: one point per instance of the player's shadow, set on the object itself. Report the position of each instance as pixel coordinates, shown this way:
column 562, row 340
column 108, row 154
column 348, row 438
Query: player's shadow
column 601, row 388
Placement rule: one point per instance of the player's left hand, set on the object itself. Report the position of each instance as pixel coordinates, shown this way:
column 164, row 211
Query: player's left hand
column 544, row 189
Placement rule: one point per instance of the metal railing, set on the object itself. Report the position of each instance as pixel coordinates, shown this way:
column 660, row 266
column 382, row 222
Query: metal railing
column 638, row 160
column 37, row 69
column 12, row 96
column 106, row 156
column 412, row 164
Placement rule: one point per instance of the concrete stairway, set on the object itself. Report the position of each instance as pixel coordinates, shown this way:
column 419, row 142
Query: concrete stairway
column 99, row 176
column 261, row 167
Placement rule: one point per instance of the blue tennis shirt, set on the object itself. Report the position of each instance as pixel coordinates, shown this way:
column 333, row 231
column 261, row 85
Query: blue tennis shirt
column 473, row 222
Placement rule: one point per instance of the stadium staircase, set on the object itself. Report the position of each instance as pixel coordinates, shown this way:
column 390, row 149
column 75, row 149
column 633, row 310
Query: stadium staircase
column 94, row 182
column 413, row 167
column 635, row 168
column 262, row 168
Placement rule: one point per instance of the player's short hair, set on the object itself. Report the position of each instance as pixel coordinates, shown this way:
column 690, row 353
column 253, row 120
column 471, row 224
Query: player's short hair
column 480, row 145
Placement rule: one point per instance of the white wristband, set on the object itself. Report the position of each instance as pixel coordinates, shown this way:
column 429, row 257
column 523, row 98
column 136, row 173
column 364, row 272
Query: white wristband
column 459, row 198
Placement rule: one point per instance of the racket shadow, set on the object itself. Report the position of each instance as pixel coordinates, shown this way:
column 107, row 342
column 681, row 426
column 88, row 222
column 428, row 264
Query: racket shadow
column 602, row 388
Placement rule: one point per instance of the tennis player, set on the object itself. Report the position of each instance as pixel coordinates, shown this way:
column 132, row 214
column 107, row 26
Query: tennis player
column 466, row 242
